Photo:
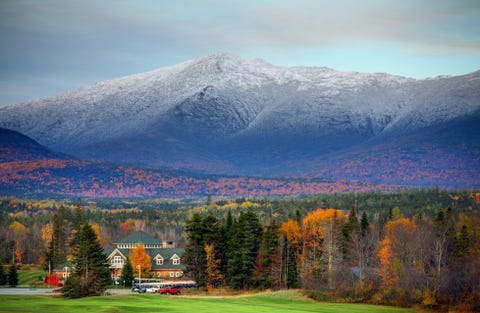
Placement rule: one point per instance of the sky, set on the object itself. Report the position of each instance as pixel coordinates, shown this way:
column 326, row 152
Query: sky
column 51, row 46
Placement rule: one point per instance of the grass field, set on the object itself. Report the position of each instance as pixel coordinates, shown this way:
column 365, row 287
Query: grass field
column 283, row 301
column 28, row 275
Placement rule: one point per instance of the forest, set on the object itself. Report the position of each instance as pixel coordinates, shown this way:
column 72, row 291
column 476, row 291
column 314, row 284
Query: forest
column 402, row 248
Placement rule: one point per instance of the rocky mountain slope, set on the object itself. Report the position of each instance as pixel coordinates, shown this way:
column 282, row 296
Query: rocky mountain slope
column 225, row 114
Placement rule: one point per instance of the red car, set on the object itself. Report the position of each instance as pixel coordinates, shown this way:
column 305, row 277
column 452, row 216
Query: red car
column 168, row 290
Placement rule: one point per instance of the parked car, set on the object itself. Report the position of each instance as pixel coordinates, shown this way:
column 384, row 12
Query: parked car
column 139, row 289
column 168, row 290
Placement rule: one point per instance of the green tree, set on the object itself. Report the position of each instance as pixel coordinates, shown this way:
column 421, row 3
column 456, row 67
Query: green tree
column 13, row 276
column 3, row 276
column 57, row 250
column 263, row 269
column 90, row 274
column 201, row 232
column 127, row 274
column 244, row 246
column 194, row 256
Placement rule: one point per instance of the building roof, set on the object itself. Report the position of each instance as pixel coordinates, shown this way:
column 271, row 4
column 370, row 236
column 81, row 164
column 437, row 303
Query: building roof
column 139, row 236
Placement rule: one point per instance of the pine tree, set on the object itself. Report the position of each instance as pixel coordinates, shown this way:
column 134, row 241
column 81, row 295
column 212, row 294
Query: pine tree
column 3, row 276
column 244, row 246
column 263, row 268
column 13, row 276
column 364, row 225
column 90, row 273
column 57, row 250
column 77, row 217
column 194, row 256
column 127, row 274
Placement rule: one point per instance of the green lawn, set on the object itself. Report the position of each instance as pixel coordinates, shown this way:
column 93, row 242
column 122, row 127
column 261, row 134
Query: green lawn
column 272, row 302
column 29, row 275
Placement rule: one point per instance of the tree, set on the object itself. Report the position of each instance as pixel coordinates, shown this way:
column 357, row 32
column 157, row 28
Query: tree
column 13, row 275
column 263, row 269
column 194, row 255
column 141, row 260
column 127, row 274
column 20, row 233
column 244, row 246
column 201, row 232
column 90, row 273
column 57, row 249
column 213, row 276
column 3, row 276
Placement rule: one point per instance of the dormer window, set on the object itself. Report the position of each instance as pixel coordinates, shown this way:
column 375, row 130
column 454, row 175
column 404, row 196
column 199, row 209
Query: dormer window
column 159, row 261
column 175, row 259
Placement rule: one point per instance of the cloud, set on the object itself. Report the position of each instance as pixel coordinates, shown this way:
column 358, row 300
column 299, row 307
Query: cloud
column 88, row 41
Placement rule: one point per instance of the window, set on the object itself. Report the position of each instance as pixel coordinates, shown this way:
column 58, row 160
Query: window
column 176, row 261
column 117, row 261
column 158, row 274
column 159, row 261
column 177, row 274
column 172, row 274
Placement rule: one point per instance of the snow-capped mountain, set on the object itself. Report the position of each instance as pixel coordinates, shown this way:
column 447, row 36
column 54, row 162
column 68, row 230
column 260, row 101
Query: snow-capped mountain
column 225, row 114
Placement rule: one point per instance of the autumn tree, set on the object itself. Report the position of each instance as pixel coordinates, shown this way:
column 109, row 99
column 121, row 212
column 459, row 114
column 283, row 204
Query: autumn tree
column 141, row 260
column 20, row 233
column 213, row 276
column 322, row 250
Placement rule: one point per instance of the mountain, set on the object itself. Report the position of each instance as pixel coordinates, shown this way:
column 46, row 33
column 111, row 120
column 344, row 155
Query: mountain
column 227, row 115
column 28, row 169
column 15, row 146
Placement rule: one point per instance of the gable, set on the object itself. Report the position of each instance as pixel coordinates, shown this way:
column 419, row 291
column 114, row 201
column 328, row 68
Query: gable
column 114, row 253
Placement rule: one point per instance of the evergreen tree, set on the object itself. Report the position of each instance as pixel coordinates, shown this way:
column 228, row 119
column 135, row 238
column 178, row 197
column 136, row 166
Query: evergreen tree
column 90, row 272
column 57, row 251
column 13, row 276
column 364, row 224
column 291, row 271
column 263, row 269
column 127, row 274
column 194, row 255
column 3, row 276
column 77, row 220
column 244, row 246
column 200, row 232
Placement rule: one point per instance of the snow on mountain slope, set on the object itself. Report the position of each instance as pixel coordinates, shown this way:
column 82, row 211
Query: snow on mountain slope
column 222, row 109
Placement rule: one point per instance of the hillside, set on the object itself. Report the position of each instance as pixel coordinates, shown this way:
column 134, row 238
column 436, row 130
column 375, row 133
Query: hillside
column 28, row 169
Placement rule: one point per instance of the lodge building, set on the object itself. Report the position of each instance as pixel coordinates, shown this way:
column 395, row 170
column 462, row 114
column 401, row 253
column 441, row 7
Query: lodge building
column 166, row 259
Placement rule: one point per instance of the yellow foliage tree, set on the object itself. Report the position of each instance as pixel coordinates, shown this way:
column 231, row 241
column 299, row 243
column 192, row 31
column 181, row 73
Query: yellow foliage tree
column 47, row 232
column 213, row 275
column 141, row 260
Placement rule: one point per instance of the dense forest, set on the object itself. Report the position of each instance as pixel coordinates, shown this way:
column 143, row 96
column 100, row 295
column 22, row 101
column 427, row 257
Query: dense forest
column 401, row 248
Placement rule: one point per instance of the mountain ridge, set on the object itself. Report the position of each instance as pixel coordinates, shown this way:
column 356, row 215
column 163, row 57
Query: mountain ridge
column 226, row 115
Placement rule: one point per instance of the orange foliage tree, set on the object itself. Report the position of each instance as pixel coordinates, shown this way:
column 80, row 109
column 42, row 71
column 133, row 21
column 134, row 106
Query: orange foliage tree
column 141, row 260
column 20, row 233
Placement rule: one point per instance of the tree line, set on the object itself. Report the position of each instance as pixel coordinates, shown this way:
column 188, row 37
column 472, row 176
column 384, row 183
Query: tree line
column 334, row 254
